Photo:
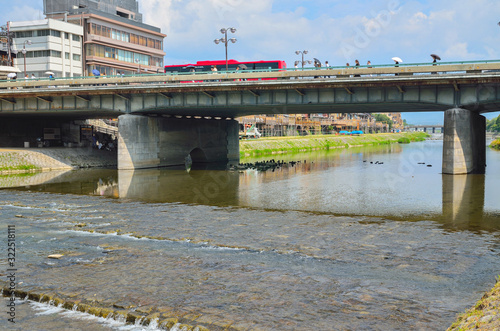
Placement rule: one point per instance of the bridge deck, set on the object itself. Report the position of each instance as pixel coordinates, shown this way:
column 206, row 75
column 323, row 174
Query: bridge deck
column 379, row 89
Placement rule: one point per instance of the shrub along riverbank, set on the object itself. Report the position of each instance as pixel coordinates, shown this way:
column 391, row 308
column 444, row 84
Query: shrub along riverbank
column 495, row 144
column 278, row 145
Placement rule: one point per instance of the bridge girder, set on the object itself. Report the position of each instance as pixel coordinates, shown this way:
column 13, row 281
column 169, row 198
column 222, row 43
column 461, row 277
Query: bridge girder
column 478, row 93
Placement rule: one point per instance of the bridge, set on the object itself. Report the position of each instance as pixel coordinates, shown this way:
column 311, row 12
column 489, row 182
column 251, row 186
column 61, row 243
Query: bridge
column 435, row 128
column 163, row 118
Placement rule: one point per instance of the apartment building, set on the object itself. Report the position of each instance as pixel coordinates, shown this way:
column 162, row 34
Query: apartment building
column 47, row 46
column 115, row 39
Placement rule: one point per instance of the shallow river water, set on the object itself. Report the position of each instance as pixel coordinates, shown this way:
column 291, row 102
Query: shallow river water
column 358, row 239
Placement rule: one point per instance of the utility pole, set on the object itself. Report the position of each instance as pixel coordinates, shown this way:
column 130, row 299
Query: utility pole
column 9, row 45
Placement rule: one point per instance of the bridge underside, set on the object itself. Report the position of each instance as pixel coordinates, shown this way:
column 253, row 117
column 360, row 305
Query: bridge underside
column 163, row 123
column 253, row 99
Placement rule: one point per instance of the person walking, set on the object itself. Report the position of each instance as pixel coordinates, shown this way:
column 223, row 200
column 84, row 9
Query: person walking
column 327, row 66
column 368, row 64
column 347, row 67
column 214, row 71
column 356, row 64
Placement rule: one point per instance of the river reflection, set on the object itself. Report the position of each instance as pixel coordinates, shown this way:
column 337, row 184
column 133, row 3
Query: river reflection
column 463, row 200
column 399, row 182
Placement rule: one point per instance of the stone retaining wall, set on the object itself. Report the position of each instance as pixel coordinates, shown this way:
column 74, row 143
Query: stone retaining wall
column 57, row 158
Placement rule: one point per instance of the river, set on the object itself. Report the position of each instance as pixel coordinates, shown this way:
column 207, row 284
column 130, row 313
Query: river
column 372, row 238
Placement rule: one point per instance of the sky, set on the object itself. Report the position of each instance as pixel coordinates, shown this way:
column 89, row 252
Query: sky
column 330, row 30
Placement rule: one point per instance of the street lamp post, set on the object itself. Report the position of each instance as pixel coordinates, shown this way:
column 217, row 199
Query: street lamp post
column 24, row 53
column 139, row 63
column 303, row 61
column 225, row 40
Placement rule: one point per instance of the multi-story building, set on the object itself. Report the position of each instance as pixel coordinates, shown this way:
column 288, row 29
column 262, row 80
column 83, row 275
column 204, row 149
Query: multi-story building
column 115, row 39
column 48, row 46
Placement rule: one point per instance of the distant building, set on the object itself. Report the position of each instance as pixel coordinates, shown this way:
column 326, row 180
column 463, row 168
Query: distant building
column 397, row 120
column 50, row 46
column 115, row 39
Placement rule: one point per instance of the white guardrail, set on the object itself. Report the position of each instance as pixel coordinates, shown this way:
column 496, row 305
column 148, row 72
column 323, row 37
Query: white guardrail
column 354, row 73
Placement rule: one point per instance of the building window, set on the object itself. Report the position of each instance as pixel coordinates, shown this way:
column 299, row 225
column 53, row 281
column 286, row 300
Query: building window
column 115, row 34
column 66, row 56
column 55, row 33
column 76, row 38
column 24, row 34
column 44, row 53
column 42, row 33
column 121, row 55
column 55, row 53
column 109, row 52
column 76, row 57
column 66, row 35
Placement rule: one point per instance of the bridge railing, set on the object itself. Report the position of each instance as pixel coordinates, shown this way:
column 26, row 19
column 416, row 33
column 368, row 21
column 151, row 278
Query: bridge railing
column 364, row 72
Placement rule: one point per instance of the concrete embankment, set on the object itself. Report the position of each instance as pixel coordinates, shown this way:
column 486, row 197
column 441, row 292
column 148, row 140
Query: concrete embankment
column 278, row 145
column 16, row 160
column 485, row 315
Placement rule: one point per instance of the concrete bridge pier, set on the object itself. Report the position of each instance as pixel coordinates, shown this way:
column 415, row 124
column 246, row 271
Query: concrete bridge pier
column 464, row 142
column 152, row 142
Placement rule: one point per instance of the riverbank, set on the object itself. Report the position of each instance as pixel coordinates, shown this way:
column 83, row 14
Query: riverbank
column 485, row 315
column 26, row 160
column 279, row 145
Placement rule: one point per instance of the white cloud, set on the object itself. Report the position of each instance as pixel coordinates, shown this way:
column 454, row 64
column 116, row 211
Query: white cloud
column 275, row 29
column 418, row 18
column 460, row 50
column 20, row 13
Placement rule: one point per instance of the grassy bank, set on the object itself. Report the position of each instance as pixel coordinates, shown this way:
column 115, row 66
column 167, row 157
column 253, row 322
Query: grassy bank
column 495, row 144
column 484, row 315
column 278, row 145
column 14, row 162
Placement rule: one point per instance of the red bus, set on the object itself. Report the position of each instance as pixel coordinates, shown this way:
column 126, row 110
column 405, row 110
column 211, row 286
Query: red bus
column 206, row 66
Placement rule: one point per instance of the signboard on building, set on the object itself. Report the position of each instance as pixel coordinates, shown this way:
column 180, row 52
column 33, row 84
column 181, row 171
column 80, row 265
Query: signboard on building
column 86, row 132
column 51, row 134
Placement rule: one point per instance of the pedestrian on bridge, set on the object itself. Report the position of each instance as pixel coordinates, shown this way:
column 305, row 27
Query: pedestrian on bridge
column 356, row 63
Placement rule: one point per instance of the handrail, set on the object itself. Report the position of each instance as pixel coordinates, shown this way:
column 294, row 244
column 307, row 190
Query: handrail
column 232, row 76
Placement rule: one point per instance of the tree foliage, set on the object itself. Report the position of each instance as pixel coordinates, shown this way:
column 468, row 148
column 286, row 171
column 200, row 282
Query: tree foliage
column 493, row 125
column 383, row 119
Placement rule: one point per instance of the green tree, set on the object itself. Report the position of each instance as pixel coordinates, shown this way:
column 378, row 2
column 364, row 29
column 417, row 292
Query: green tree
column 493, row 125
column 383, row 119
